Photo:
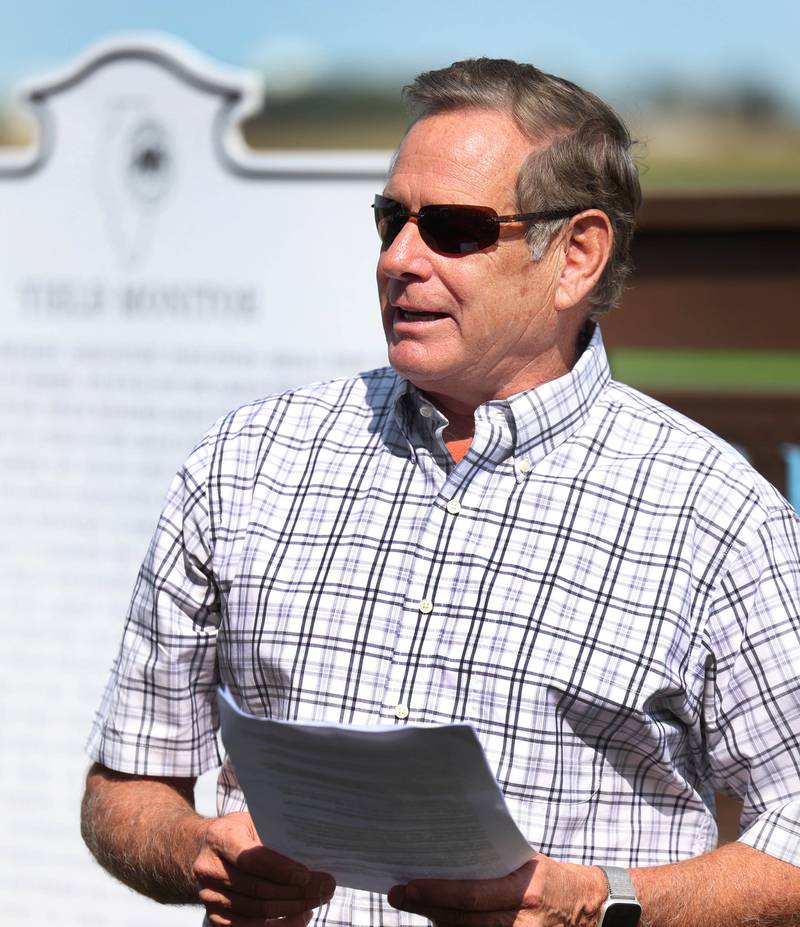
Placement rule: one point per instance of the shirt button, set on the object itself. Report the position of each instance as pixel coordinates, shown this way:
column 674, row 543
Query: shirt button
column 453, row 506
column 524, row 466
column 401, row 711
column 426, row 606
column 426, row 411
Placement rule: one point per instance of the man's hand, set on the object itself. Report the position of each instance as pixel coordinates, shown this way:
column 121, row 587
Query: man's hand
column 145, row 831
column 541, row 893
column 242, row 883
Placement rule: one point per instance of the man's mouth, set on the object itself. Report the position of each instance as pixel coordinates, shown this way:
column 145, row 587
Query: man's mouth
column 407, row 315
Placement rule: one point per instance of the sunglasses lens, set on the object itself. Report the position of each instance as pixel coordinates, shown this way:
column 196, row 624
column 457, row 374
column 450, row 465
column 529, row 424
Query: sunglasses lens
column 446, row 229
column 458, row 229
column 390, row 217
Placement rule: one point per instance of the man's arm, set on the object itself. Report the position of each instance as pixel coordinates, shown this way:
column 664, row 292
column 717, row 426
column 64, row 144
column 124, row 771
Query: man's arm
column 732, row 886
column 146, row 832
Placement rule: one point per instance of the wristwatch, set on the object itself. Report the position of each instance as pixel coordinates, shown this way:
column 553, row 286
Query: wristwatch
column 621, row 908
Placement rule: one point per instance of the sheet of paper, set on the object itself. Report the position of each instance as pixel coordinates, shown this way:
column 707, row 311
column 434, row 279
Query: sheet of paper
column 374, row 806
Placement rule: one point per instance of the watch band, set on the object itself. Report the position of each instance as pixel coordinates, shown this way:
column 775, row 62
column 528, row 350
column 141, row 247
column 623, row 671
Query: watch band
column 620, row 885
column 621, row 908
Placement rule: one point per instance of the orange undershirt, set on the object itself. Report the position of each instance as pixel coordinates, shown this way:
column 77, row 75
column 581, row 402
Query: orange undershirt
column 458, row 448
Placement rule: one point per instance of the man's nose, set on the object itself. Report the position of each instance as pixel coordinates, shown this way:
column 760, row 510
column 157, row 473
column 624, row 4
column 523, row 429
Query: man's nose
column 407, row 255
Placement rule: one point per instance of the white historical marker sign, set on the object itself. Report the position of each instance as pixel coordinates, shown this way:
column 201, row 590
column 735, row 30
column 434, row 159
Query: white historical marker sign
column 153, row 274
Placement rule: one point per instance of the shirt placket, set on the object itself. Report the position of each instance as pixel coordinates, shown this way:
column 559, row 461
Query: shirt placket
column 411, row 694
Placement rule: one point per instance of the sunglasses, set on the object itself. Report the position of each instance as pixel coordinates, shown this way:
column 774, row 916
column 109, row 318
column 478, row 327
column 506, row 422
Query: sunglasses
column 452, row 229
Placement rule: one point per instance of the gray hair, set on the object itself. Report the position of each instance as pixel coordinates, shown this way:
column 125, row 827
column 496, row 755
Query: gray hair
column 586, row 160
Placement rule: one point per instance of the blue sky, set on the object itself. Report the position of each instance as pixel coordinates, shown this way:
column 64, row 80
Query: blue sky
column 615, row 47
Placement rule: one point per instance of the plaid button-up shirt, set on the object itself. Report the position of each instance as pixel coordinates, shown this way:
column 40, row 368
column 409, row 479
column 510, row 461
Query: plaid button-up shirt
column 608, row 592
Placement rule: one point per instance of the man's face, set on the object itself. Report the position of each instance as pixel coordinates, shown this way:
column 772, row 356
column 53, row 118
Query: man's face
column 476, row 326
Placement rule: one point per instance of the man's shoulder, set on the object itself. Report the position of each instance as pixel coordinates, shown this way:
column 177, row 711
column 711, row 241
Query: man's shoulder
column 647, row 427
column 342, row 403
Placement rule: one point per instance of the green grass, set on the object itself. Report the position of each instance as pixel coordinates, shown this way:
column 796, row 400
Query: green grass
column 717, row 371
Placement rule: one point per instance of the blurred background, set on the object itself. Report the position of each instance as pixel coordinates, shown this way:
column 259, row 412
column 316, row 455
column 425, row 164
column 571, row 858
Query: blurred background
column 104, row 415
column 712, row 90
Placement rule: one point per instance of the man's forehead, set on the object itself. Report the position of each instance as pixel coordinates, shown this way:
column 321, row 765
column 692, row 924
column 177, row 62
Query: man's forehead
column 460, row 151
column 468, row 133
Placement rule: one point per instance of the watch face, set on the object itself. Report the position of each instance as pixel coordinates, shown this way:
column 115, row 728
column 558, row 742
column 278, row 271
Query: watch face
column 622, row 914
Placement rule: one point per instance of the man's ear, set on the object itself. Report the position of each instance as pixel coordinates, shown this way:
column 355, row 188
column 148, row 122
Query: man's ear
column 586, row 246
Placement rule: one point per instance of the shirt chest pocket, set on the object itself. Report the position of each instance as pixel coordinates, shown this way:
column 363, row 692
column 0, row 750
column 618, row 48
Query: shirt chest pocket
column 540, row 697
column 565, row 711
column 540, row 741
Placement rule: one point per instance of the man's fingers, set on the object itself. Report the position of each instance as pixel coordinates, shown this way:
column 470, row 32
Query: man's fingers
column 225, row 919
column 244, row 905
column 261, row 861
column 227, row 877
column 253, row 888
column 242, row 881
column 447, row 917
column 508, row 893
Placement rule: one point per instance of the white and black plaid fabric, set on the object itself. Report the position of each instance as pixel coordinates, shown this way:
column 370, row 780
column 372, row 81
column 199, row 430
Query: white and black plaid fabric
column 609, row 593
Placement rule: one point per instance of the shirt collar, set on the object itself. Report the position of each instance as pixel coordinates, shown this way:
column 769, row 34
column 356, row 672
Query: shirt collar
column 547, row 415
column 538, row 419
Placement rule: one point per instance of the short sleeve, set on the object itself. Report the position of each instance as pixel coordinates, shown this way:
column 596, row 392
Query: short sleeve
column 752, row 702
column 158, row 713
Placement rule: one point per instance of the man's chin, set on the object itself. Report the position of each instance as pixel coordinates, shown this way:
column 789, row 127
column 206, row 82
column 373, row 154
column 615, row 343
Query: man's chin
column 414, row 366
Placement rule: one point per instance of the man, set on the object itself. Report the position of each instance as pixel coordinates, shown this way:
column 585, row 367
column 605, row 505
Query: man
column 492, row 530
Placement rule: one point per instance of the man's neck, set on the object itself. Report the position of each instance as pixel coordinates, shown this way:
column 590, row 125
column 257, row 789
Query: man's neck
column 461, row 416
